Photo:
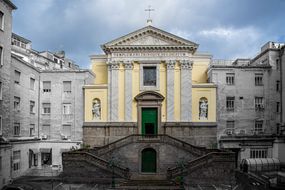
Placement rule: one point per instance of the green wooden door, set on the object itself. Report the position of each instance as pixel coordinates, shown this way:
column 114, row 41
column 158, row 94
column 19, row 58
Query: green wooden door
column 149, row 160
column 149, row 121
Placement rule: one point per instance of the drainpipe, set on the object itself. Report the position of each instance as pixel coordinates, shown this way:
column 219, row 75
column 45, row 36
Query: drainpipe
column 39, row 98
column 281, row 85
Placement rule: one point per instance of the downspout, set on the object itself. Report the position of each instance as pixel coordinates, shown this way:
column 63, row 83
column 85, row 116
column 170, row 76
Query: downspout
column 39, row 98
column 281, row 85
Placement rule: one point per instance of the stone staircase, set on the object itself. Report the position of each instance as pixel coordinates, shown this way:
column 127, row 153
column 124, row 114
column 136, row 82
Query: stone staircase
column 161, row 138
column 148, row 184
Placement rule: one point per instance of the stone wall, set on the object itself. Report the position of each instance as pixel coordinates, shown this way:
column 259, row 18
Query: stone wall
column 200, row 134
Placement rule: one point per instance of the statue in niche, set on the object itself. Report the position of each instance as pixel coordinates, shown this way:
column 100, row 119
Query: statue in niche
column 96, row 109
column 203, row 109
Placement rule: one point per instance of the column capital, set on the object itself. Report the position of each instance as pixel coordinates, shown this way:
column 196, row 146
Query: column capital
column 113, row 65
column 186, row 64
column 128, row 65
column 170, row 64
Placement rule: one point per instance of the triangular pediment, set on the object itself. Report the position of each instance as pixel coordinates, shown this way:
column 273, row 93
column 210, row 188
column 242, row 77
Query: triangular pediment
column 150, row 36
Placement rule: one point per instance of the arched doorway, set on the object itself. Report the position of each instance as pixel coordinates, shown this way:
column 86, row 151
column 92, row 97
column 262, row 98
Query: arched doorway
column 148, row 160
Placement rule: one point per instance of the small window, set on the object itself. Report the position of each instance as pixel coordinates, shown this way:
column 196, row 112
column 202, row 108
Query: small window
column 16, row 160
column 55, row 60
column 1, row 90
column 46, row 86
column 32, row 107
column 230, row 78
column 46, row 108
column 1, row 20
column 258, row 79
column 1, row 130
column 67, row 86
column 149, row 76
column 66, row 130
column 230, row 127
column 1, row 56
column 17, row 77
column 66, row 109
column 32, row 130
column 278, row 108
column 32, row 83
column 259, row 153
column 16, row 129
column 259, row 105
column 17, row 101
column 277, row 64
column 258, row 127
column 46, row 130
column 278, row 86
column 230, row 103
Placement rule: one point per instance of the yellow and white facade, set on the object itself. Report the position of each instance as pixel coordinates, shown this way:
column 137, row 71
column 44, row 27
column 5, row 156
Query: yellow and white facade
column 150, row 69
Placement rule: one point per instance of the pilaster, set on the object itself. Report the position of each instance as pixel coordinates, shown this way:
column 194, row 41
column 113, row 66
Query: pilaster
column 128, row 90
column 186, row 90
column 170, row 65
column 114, row 103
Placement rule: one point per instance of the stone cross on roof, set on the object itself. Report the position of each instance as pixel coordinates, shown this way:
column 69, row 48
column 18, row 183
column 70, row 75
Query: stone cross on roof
column 149, row 20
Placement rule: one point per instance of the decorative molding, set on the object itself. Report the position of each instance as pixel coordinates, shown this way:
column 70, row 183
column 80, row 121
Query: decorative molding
column 128, row 65
column 170, row 64
column 186, row 64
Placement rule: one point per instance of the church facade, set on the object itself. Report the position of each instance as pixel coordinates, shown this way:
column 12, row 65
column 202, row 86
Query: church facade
column 150, row 82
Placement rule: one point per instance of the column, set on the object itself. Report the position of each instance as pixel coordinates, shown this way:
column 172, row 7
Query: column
column 186, row 90
column 109, row 91
column 128, row 90
column 114, row 103
column 170, row 90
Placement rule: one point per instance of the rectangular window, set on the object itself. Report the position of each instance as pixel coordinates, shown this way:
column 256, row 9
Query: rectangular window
column 46, row 108
column 46, row 86
column 1, row 125
column 278, row 108
column 258, row 127
column 277, row 64
column 16, row 129
column 17, row 101
column 258, row 79
column 67, row 86
column 277, row 85
column 1, row 56
column 66, row 109
column 1, row 90
column 66, row 130
column 258, row 102
column 230, row 127
column 32, row 107
column 230, row 78
column 1, row 20
column 1, row 165
column 55, row 60
column 258, row 153
column 32, row 130
column 46, row 130
column 17, row 77
column 32, row 83
column 230, row 103
column 16, row 160
column 149, row 76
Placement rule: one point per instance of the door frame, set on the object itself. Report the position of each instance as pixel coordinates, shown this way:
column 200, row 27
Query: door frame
column 156, row 124
column 149, row 99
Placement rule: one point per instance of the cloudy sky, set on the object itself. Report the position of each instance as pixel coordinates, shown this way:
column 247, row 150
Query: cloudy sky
column 226, row 28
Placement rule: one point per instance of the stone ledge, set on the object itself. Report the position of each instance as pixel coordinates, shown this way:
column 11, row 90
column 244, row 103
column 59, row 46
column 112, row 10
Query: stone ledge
column 189, row 124
column 110, row 124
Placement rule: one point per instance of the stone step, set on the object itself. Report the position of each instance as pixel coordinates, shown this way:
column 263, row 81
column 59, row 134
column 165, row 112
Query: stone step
column 147, row 184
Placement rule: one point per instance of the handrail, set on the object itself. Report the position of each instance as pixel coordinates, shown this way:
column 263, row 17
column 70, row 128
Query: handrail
column 201, row 161
column 196, row 150
column 81, row 155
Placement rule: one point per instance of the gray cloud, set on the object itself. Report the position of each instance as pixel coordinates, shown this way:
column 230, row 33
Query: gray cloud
column 226, row 28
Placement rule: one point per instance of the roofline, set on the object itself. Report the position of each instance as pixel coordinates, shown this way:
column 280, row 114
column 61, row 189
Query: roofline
column 24, row 62
column 162, row 31
column 12, row 5
column 21, row 37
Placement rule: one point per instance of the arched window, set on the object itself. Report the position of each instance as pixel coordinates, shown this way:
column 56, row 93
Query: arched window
column 203, row 108
column 96, row 109
column 148, row 160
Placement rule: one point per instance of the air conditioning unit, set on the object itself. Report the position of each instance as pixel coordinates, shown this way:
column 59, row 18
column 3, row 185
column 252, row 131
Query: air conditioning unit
column 44, row 137
column 241, row 132
column 229, row 132
column 64, row 137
